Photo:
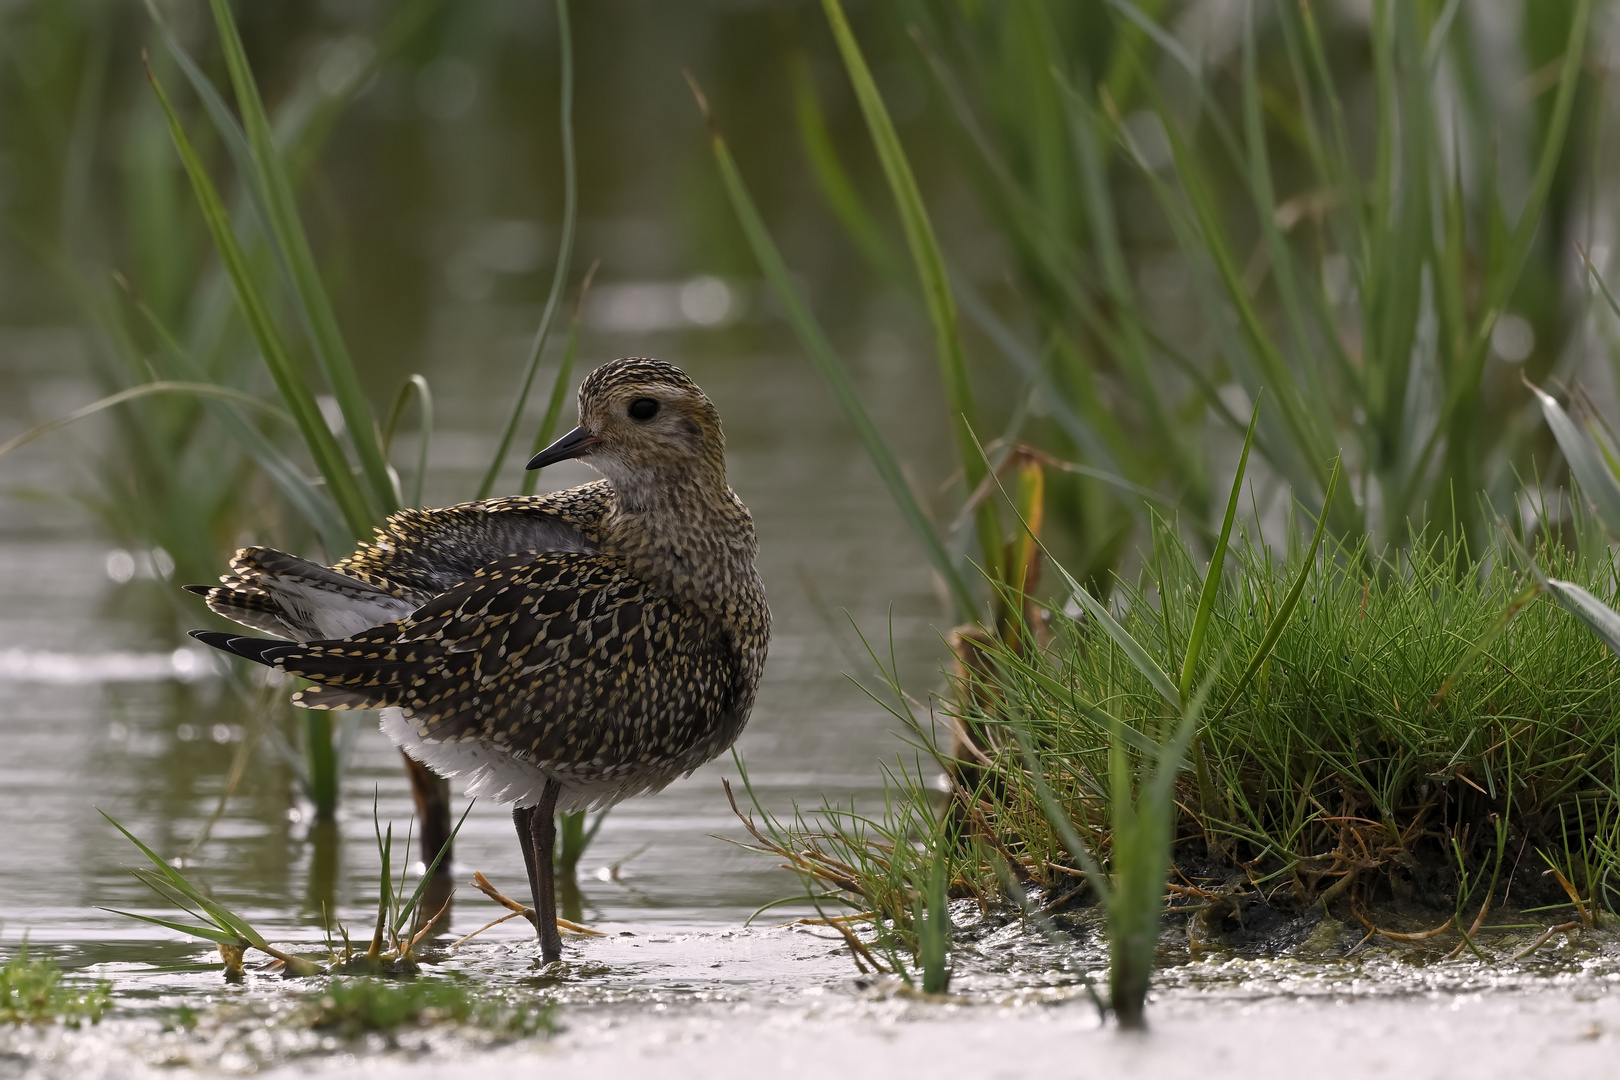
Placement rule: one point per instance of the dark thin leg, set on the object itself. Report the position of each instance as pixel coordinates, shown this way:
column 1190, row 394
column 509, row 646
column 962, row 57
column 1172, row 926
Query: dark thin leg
column 521, row 816
column 543, row 826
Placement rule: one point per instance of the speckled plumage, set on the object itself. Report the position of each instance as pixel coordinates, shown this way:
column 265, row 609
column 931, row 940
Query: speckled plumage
column 422, row 553
column 609, row 637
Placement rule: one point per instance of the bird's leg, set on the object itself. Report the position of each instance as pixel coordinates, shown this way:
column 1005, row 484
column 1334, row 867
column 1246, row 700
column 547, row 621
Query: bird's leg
column 521, row 818
column 543, row 829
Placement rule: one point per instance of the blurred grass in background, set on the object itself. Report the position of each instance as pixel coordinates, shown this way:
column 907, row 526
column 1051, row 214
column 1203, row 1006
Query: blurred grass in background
column 1148, row 212
column 1337, row 207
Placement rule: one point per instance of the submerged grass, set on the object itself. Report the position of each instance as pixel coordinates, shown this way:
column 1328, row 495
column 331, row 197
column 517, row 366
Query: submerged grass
column 354, row 1007
column 34, row 992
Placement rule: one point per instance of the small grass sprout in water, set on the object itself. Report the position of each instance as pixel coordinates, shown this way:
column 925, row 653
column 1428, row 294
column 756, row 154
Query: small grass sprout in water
column 399, row 927
column 34, row 992
column 861, row 870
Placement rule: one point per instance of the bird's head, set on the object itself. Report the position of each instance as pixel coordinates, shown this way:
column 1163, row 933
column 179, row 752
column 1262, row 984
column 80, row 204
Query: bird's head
column 643, row 423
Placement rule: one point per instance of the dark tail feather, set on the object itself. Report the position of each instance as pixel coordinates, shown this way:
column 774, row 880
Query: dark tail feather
column 260, row 650
column 352, row 674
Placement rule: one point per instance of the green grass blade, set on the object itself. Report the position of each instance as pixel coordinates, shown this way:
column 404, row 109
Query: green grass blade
column 204, row 932
column 934, row 935
column 833, row 179
column 1066, row 694
column 414, row 387
column 385, row 883
column 1285, row 610
column 197, row 389
column 930, row 265
column 1285, row 276
column 169, row 873
column 230, row 132
column 228, row 920
column 1161, row 37
column 1159, row 793
column 1603, row 620
column 1130, row 350
column 421, row 886
column 159, row 884
column 1597, row 482
column 320, row 751
column 1059, row 819
column 1524, row 230
column 178, row 882
column 565, row 251
column 286, row 232
column 1300, row 420
column 559, row 383
column 1438, row 34
column 1499, row 286
column 329, row 458
column 1212, row 577
column 1487, row 639
column 832, row 370
column 315, row 507
column 1603, row 286
column 1132, row 648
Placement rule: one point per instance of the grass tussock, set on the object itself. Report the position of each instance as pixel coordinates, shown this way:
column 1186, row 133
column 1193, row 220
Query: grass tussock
column 34, row 992
column 1341, row 770
column 1379, row 759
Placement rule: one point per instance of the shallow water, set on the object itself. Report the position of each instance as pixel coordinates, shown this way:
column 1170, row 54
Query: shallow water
column 101, row 711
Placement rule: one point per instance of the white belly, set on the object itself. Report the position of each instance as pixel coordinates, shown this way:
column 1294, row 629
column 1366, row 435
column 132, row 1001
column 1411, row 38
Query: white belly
column 494, row 773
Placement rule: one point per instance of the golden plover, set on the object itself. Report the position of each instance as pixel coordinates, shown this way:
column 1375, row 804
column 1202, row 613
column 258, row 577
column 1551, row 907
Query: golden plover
column 562, row 651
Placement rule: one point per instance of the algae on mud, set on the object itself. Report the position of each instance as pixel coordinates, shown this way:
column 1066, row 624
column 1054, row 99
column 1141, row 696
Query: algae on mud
column 34, row 992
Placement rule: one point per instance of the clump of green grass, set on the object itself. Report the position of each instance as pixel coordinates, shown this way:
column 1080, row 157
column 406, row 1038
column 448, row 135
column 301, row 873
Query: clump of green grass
column 33, row 992
column 1140, row 793
column 353, row 1007
column 1420, row 735
column 1373, row 751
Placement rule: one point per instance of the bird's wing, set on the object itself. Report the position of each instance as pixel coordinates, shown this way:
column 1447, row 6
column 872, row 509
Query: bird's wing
column 420, row 554
column 564, row 657
column 417, row 555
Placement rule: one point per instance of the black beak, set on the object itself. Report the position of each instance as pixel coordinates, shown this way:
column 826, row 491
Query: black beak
column 576, row 443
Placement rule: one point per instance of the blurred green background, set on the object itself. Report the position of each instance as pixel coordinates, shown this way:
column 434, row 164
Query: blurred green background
column 1151, row 212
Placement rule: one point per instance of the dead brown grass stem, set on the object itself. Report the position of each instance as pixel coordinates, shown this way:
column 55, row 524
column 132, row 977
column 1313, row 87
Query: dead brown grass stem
column 482, row 884
column 1547, row 935
column 1422, row 935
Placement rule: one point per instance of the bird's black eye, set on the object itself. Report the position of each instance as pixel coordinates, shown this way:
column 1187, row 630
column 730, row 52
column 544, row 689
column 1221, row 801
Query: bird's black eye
column 643, row 408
